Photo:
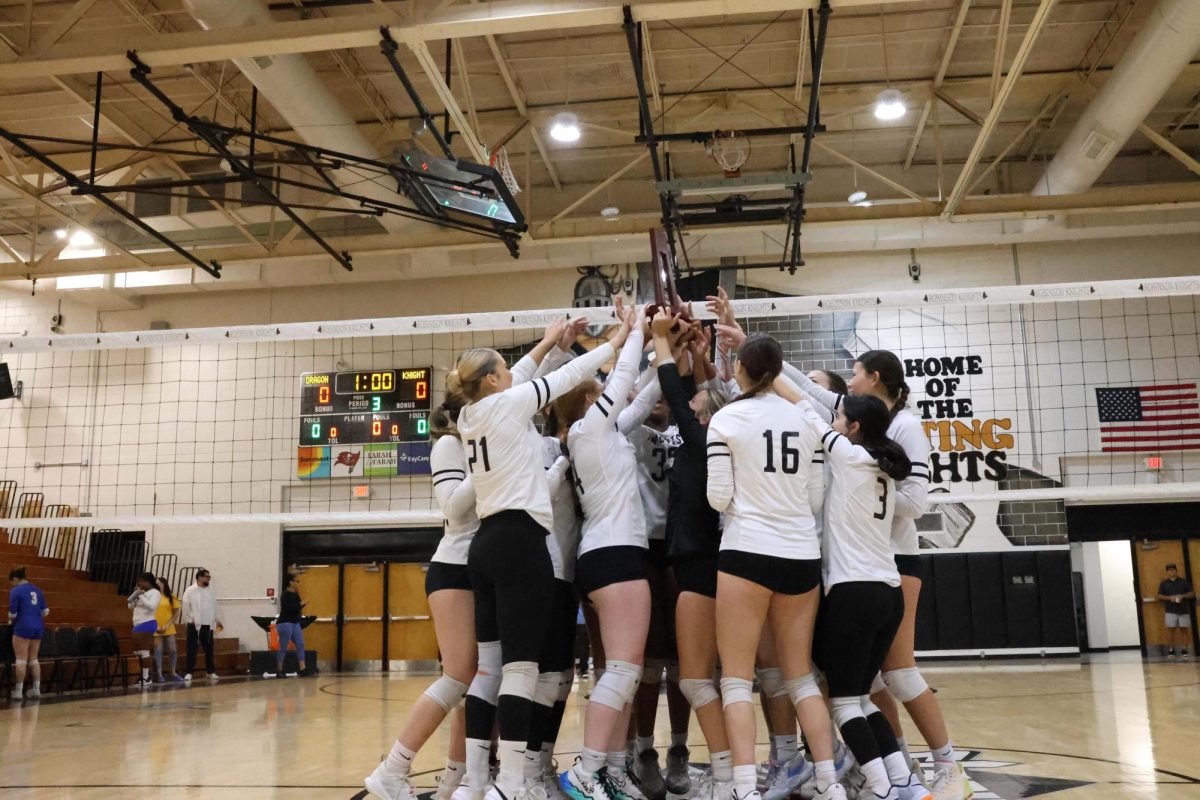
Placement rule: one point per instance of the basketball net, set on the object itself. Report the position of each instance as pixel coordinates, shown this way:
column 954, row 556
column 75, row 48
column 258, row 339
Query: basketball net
column 499, row 161
column 730, row 150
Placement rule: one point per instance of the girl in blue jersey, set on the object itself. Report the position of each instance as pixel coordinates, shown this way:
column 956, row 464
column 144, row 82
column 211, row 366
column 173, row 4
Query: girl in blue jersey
column 26, row 612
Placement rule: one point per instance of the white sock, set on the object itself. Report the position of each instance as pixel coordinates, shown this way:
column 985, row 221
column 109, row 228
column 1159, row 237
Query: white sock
column 533, row 764
column 512, row 768
column 479, row 755
column 37, row 686
column 592, row 761
column 900, row 740
column 945, row 754
column 898, row 769
column 453, row 773
column 877, row 777
column 785, row 748
column 826, row 774
column 615, row 762
column 644, row 743
column 722, row 766
column 145, row 673
column 399, row 760
column 744, row 779
column 678, row 740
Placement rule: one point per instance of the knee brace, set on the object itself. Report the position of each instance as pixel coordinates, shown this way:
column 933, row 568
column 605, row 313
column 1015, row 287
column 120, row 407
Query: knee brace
column 519, row 679
column 673, row 672
column 905, row 684
column 878, row 685
column 868, row 707
column 802, row 687
column 617, row 685
column 547, row 688
column 771, row 681
column 653, row 670
column 566, row 679
column 699, row 692
column 736, row 690
column 486, row 683
column 446, row 692
column 846, row 709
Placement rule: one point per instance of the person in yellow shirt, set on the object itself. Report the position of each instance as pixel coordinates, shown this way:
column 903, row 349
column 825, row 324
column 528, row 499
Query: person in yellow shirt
column 164, row 638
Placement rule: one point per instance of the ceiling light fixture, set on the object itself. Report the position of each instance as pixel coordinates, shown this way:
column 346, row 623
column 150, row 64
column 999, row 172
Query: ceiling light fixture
column 82, row 239
column 60, row 234
column 610, row 212
column 565, row 127
column 889, row 105
column 858, row 198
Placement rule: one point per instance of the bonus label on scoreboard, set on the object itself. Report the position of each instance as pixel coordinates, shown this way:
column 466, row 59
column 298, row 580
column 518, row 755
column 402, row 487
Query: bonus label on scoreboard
column 380, row 414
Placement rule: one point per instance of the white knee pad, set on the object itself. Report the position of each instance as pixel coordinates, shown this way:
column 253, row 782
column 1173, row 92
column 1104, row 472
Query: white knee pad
column 846, row 709
column 566, row 679
column 878, row 685
column 736, row 690
column 673, row 672
column 486, row 683
column 617, row 685
column 519, row 679
column 905, row 684
column 868, row 707
column 653, row 670
column 547, row 688
column 699, row 692
column 771, row 681
column 138, row 653
column 802, row 687
column 446, row 692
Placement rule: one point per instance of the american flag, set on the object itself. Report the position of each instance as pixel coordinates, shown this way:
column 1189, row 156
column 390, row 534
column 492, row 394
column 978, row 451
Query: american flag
column 1138, row 419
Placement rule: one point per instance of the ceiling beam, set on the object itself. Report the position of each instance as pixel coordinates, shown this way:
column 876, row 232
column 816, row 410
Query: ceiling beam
column 104, row 54
column 1036, row 25
column 938, row 79
column 62, row 26
column 469, row 135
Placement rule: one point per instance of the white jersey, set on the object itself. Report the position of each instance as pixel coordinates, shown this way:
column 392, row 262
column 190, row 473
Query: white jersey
column 605, row 465
column 503, row 448
column 563, row 541
column 766, row 473
column 859, row 506
column 912, row 493
column 655, row 452
column 455, row 494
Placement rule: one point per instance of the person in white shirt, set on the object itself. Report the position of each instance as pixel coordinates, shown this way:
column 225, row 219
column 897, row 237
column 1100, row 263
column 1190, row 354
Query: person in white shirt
column 880, row 373
column 610, row 572
column 764, row 474
column 863, row 602
column 512, row 575
column 144, row 605
column 200, row 617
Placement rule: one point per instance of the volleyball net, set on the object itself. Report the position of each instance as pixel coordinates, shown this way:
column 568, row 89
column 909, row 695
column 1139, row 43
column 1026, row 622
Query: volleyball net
column 1032, row 397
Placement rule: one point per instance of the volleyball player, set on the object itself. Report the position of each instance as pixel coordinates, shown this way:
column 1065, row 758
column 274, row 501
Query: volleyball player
column 763, row 474
column 864, row 604
column 693, row 530
column 27, row 612
column 511, row 573
column 879, row 373
column 610, row 572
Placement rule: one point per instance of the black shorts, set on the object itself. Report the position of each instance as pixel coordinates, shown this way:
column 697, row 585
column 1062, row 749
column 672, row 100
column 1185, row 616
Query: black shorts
column 697, row 574
column 656, row 555
column 608, row 565
column 912, row 566
column 855, row 629
column 441, row 575
column 558, row 652
column 781, row 575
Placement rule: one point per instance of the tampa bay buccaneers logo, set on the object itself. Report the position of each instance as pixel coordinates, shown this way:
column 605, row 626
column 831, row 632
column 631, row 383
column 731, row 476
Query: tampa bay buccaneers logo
column 348, row 460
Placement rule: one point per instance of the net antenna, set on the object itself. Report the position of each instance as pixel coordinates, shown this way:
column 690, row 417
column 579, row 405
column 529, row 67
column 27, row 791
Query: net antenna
column 730, row 149
column 498, row 160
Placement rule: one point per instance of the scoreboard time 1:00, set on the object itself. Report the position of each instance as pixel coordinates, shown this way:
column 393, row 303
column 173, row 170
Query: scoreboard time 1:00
column 365, row 407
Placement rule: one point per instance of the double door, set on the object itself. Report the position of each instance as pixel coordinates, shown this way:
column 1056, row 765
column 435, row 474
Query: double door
column 369, row 615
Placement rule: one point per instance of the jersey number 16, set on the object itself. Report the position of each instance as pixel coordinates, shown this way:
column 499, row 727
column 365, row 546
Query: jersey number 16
column 790, row 461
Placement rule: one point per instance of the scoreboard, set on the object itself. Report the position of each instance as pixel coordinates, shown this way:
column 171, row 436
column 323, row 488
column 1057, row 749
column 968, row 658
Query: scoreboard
column 365, row 407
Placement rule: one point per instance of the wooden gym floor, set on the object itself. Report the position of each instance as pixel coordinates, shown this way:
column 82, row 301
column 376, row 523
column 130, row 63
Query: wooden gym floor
column 1109, row 727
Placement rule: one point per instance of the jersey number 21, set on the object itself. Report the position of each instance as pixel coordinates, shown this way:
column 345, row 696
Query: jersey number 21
column 478, row 452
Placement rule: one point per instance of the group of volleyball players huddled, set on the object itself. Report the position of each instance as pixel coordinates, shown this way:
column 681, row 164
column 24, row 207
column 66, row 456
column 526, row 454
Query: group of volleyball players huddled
column 722, row 517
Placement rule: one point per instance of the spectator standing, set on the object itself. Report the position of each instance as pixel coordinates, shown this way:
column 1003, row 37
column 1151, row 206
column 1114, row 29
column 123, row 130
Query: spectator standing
column 167, row 616
column 288, row 626
column 144, row 605
column 26, row 612
column 1176, row 595
column 200, row 616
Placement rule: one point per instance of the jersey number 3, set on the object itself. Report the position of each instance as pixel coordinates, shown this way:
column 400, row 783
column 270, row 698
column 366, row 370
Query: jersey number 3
column 479, row 450
column 791, row 456
column 883, row 498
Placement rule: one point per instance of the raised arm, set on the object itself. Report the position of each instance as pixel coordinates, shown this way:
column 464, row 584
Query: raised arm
column 607, row 408
column 452, row 487
column 635, row 414
column 563, row 353
column 525, row 369
column 831, row 401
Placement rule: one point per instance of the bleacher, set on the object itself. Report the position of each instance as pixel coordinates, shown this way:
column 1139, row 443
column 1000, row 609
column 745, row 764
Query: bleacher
column 86, row 575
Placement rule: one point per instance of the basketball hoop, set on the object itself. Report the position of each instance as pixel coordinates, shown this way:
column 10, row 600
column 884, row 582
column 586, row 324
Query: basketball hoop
column 499, row 161
column 730, row 150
